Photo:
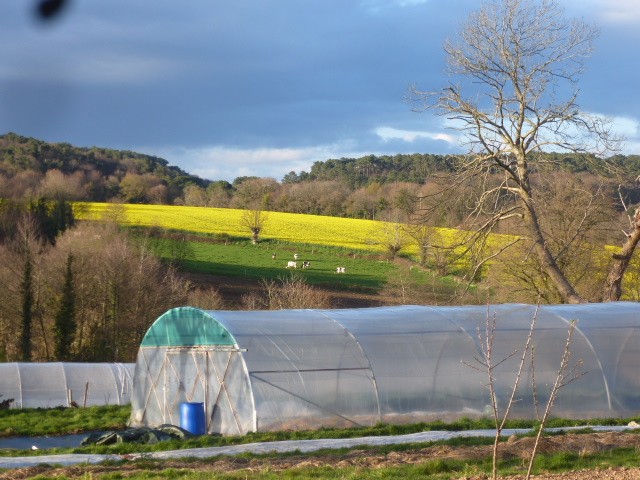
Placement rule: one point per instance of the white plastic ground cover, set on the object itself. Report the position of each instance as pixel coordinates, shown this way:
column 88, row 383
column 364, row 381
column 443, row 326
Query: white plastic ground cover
column 54, row 384
column 307, row 446
column 306, row 369
column 304, row 446
column 65, row 460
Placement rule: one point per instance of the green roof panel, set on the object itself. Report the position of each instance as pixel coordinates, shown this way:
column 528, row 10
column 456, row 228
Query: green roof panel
column 186, row 327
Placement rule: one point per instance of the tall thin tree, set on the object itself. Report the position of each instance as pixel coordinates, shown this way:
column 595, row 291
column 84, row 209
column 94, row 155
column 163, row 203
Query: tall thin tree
column 65, row 320
column 26, row 290
column 26, row 245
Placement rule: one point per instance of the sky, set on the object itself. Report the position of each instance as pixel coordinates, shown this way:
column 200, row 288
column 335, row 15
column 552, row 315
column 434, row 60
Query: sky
column 229, row 88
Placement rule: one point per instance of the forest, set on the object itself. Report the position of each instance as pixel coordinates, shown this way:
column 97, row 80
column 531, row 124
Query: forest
column 372, row 187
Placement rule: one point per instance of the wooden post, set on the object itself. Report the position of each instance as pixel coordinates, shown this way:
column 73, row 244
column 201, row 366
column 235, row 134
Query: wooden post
column 86, row 391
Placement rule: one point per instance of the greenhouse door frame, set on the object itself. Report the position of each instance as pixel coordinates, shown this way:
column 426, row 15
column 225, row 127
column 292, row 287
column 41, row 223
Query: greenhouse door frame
column 201, row 357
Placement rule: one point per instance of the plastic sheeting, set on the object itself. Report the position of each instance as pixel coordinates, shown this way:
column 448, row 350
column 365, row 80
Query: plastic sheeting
column 301, row 369
column 47, row 385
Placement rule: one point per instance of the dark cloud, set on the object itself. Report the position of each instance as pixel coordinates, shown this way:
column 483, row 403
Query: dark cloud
column 319, row 75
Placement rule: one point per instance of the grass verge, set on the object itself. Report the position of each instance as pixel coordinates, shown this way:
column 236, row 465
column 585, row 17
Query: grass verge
column 380, row 464
column 31, row 422
column 61, row 421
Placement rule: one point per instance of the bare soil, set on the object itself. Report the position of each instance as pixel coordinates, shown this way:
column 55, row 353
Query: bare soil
column 581, row 444
column 233, row 288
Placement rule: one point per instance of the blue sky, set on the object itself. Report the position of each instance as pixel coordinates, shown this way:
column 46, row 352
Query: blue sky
column 224, row 88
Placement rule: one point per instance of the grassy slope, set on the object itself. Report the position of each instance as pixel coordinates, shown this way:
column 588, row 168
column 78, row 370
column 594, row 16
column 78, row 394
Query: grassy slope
column 245, row 260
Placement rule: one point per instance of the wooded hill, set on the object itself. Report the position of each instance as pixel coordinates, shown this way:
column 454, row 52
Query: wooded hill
column 380, row 187
column 416, row 168
column 99, row 172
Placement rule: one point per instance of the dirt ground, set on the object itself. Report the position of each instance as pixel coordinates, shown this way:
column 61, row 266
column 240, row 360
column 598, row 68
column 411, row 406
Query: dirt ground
column 233, row 288
column 582, row 444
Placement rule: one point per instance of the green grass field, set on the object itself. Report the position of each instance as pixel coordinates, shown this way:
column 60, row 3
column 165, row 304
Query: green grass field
column 242, row 259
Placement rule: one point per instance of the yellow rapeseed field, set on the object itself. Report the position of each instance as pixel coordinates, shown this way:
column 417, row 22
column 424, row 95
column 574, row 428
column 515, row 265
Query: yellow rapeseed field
column 289, row 227
column 349, row 233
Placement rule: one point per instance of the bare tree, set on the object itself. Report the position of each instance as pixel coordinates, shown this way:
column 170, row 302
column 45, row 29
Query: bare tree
column 391, row 235
column 578, row 215
column 288, row 292
column 254, row 196
column 489, row 365
column 518, row 63
column 206, row 298
column 21, row 297
column 195, row 196
column 252, row 191
column 254, row 219
column 420, row 236
column 317, row 197
column 121, row 288
column 58, row 186
column 567, row 373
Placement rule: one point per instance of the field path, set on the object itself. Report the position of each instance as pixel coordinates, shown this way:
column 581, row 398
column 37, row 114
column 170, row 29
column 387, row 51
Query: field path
column 304, row 446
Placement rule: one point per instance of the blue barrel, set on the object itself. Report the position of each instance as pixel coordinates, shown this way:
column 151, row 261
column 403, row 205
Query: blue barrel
column 192, row 418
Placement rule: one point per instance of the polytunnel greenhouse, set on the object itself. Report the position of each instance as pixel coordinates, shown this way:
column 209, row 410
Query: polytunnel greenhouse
column 303, row 369
column 47, row 385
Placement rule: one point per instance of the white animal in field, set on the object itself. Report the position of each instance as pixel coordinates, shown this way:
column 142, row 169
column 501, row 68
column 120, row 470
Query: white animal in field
column 306, row 264
column 273, row 255
column 292, row 264
column 296, row 256
column 340, row 270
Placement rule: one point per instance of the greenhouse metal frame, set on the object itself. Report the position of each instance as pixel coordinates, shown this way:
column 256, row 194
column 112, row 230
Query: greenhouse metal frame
column 304, row 369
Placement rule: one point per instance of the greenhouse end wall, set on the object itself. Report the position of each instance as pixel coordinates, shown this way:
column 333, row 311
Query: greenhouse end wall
column 301, row 369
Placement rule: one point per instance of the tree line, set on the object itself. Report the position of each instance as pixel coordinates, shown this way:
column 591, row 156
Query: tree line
column 77, row 292
column 372, row 187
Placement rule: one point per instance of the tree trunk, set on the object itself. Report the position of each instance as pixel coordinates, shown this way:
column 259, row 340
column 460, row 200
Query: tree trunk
column 547, row 261
column 613, row 284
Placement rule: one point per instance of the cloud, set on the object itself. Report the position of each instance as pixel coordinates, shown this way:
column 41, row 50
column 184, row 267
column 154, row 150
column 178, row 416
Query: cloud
column 626, row 126
column 609, row 11
column 389, row 133
column 629, row 128
column 217, row 162
column 620, row 11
